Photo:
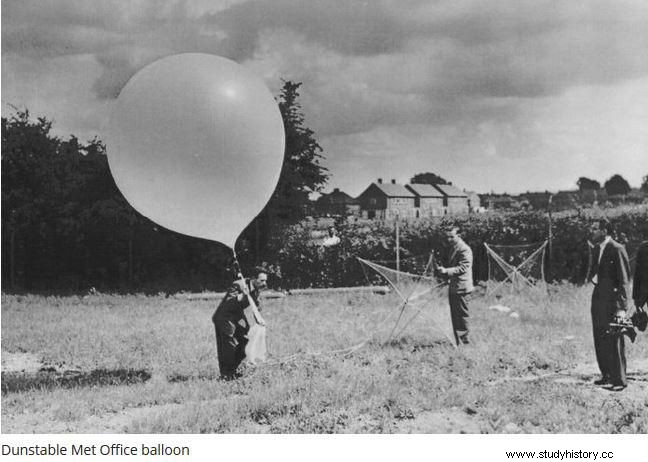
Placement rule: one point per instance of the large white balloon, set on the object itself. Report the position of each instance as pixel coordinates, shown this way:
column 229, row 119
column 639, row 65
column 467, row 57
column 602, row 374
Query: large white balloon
column 196, row 143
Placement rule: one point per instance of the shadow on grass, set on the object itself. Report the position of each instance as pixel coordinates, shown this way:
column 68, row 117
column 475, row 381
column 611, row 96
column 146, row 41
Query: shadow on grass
column 405, row 343
column 13, row 382
column 178, row 378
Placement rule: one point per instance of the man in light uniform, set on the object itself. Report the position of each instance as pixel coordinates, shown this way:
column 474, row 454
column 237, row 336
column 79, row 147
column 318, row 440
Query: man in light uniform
column 459, row 275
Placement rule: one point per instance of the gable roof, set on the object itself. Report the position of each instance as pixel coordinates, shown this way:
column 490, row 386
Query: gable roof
column 450, row 190
column 424, row 190
column 394, row 190
column 336, row 197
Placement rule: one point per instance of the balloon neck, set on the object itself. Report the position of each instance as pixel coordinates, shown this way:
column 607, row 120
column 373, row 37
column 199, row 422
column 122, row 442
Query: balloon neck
column 236, row 267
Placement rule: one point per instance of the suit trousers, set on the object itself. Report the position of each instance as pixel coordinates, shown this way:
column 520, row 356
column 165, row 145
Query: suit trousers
column 231, row 339
column 459, row 315
column 609, row 347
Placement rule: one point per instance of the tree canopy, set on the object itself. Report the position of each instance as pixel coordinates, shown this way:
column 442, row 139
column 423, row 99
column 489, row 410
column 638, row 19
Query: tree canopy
column 302, row 172
column 587, row 184
column 617, row 185
column 428, row 178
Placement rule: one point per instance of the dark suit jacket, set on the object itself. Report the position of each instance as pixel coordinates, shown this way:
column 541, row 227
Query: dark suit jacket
column 640, row 282
column 611, row 291
column 230, row 308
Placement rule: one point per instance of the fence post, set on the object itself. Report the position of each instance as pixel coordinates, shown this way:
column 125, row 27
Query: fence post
column 397, row 246
column 550, row 241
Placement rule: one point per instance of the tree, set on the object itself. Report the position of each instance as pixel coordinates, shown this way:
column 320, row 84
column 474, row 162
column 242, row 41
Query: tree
column 587, row 184
column 65, row 219
column 428, row 178
column 644, row 184
column 29, row 196
column 616, row 185
column 302, row 172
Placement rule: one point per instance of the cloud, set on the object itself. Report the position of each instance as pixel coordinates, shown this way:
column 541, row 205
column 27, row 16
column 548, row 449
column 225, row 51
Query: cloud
column 427, row 49
column 350, row 27
column 367, row 64
column 463, row 70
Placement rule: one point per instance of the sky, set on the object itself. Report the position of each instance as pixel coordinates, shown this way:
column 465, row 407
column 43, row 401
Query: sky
column 494, row 95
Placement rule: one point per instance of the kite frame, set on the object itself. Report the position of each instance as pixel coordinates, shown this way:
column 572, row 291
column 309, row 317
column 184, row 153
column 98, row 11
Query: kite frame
column 513, row 273
column 406, row 299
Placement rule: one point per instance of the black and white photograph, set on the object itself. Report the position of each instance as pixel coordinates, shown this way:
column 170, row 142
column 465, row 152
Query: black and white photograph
column 339, row 217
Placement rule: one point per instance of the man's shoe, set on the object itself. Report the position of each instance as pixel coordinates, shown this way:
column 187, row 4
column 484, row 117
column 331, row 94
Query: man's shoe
column 618, row 387
column 602, row 381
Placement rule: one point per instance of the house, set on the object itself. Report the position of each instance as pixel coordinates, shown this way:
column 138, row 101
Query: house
column 454, row 200
column 386, row 201
column 336, row 203
column 428, row 200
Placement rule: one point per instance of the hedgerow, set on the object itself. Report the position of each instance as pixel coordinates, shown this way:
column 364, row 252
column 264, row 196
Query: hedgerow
column 301, row 261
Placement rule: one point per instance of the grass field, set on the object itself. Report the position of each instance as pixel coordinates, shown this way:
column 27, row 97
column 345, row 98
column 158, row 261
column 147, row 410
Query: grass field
column 108, row 363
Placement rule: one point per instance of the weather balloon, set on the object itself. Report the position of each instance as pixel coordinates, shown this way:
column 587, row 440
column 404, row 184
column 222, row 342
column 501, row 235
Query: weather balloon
column 195, row 142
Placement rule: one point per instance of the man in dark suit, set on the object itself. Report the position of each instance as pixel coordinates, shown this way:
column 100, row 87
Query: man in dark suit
column 459, row 274
column 231, row 324
column 640, row 281
column 610, row 276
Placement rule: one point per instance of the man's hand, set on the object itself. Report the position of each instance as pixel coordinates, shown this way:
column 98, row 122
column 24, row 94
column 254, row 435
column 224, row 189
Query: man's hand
column 620, row 317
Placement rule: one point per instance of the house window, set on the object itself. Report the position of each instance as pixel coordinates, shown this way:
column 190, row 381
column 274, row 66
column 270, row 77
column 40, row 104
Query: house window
column 372, row 201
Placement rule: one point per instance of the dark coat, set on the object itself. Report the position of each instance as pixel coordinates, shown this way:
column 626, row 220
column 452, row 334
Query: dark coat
column 232, row 309
column 613, row 280
column 640, row 282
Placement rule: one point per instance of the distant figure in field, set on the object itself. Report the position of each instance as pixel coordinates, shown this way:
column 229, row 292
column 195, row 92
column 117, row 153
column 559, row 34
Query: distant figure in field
column 640, row 281
column 610, row 276
column 232, row 323
column 459, row 274
column 332, row 239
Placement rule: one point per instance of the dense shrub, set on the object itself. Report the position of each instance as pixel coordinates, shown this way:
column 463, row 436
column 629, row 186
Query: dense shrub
column 302, row 262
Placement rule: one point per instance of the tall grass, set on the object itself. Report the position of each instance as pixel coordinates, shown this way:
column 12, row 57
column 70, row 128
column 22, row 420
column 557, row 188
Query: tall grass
column 503, row 381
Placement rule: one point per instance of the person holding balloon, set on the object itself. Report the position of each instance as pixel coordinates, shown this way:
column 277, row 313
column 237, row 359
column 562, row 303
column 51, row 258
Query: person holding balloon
column 233, row 325
column 186, row 135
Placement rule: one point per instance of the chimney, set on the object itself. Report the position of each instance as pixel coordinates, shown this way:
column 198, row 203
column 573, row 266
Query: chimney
column 379, row 180
column 393, row 181
column 336, row 190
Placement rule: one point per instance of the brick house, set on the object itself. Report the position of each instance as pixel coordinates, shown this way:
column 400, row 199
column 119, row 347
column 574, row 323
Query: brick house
column 454, row 200
column 386, row 201
column 428, row 200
